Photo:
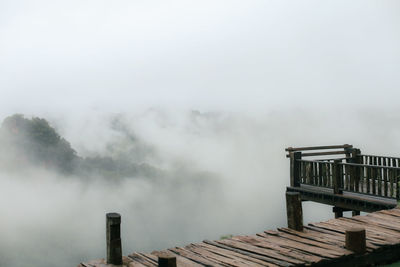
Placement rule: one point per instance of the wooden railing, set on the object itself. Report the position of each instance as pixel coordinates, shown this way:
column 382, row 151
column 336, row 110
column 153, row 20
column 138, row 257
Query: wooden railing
column 359, row 178
column 358, row 173
column 379, row 160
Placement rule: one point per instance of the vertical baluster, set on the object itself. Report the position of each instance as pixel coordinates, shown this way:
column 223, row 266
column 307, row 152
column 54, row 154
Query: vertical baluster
column 394, row 162
column 355, row 173
column 396, row 172
column 355, row 178
column 326, row 174
column 358, row 180
column 307, row 179
column 343, row 174
column 360, row 170
column 384, row 177
column 351, row 178
column 379, row 181
column 346, row 177
column 319, row 174
column 373, row 177
column 379, row 171
column 313, row 173
column 368, row 175
column 364, row 179
column 341, row 171
column 322, row 174
column 391, row 186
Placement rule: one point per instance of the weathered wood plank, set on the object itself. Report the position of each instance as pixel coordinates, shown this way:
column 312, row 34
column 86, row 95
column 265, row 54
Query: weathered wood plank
column 257, row 254
column 136, row 257
column 373, row 236
column 224, row 258
column 317, row 236
column 194, row 257
column 339, row 229
column 317, row 251
column 313, row 242
column 222, row 251
column 184, row 262
column 276, row 258
column 261, row 242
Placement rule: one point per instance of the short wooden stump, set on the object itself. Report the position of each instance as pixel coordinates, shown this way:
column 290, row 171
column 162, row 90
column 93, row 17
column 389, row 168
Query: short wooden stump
column 356, row 240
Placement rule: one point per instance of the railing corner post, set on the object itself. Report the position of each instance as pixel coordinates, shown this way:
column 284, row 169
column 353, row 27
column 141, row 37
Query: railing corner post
column 295, row 169
column 337, row 177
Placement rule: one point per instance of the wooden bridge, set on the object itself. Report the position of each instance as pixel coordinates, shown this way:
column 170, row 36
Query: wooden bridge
column 335, row 175
column 343, row 177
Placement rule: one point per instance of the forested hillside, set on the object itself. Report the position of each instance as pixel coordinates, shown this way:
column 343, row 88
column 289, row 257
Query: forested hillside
column 34, row 141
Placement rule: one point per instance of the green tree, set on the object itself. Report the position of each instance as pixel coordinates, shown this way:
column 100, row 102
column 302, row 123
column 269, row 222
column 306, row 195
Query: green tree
column 40, row 143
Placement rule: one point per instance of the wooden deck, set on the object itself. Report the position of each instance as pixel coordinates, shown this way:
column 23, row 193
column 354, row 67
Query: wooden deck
column 320, row 244
column 356, row 182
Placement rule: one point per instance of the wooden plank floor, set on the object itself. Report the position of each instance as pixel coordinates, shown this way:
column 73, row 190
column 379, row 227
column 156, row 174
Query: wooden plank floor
column 319, row 244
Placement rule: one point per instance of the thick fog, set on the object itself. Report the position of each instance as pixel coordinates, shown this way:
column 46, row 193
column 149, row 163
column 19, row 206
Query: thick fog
column 194, row 103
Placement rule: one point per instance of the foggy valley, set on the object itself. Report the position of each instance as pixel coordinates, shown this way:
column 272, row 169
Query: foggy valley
column 208, row 179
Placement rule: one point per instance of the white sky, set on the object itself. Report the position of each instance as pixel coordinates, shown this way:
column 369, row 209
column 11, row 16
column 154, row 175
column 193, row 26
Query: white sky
column 232, row 55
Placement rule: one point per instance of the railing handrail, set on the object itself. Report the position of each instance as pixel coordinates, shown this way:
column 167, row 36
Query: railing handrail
column 309, row 160
column 368, row 165
column 350, row 164
column 293, row 149
column 377, row 156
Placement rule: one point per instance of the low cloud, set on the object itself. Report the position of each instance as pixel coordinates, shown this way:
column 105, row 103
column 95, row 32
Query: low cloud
column 217, row 174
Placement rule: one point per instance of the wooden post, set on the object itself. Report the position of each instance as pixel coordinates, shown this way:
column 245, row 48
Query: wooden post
column 337, row 177
column 356, row 156
column 356, row 170
column 114, row 248
column 294, row 211
column 338, row 212
column 166, row 261
column 355, row 240
column 348, row 151
column 295, row 169
column 355, row 213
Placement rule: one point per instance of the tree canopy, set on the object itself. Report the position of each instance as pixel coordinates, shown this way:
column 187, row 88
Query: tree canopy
column 35, row 140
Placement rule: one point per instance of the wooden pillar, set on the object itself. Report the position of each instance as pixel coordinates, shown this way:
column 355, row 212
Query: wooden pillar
column 295, row 169
column 338, row 212
column 356, row 156
column 294, row 211
column 355, row 213
column 356, row 240
column 348, row 152
column 166, row 261
column 114, row 248
column 337, row 177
